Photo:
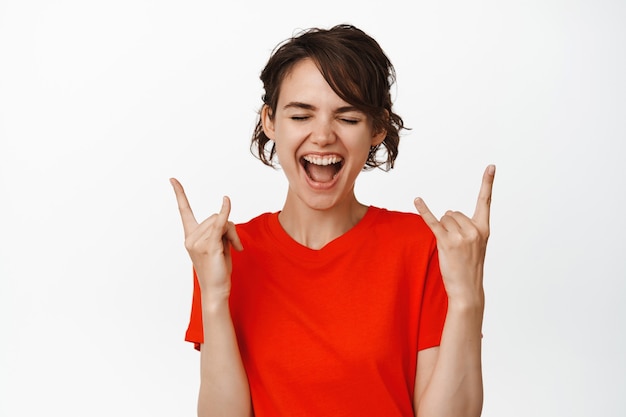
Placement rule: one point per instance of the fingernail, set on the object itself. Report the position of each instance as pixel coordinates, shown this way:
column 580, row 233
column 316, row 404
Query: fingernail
column 492, row 169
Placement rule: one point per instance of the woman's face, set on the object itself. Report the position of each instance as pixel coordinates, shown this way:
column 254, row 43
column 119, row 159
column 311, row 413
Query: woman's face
column 321, row 141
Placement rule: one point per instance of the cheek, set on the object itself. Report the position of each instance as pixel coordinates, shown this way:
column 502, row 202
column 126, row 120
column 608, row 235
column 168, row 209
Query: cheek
column 285, row 153
column 289, row 138
column 360, row 145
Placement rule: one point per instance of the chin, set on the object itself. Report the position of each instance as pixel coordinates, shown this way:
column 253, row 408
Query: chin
column 322, row 201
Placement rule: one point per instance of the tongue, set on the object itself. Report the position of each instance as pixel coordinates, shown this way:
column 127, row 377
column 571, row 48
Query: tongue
column 321, row 173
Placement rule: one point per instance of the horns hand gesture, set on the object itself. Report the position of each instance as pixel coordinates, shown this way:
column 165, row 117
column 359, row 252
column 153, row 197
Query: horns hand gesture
column 462, row 243
column 208, row 244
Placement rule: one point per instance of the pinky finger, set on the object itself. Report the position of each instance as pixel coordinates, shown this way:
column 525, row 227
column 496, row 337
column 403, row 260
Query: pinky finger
column 427, row 215
column 232, row 236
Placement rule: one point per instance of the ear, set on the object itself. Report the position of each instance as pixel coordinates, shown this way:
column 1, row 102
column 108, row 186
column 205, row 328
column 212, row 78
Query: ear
column 267, row 121
column 379, row 137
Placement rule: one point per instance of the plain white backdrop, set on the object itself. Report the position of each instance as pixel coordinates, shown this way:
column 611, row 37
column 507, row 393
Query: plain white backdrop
column 102, row 102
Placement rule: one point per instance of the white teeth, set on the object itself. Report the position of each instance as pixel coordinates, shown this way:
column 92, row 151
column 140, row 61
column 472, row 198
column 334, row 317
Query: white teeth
column 322, row 160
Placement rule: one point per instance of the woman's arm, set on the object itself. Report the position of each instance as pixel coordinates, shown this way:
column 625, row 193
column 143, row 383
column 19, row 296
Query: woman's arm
column 448, row 380
column 224, row 389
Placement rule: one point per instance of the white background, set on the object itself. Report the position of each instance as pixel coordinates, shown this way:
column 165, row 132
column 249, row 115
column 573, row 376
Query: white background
column 102, row 102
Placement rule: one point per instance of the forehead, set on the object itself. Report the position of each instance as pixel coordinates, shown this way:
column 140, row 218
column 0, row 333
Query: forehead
column 305, row 83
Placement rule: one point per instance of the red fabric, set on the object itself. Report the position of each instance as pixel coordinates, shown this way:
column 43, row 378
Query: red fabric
column 334, row 332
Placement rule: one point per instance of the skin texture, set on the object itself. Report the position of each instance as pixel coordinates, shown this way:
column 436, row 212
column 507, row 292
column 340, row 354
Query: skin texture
column 224, row 389
column 311, row 120
column 449, row 377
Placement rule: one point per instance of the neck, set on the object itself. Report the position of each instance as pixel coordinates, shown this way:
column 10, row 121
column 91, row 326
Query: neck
column 314, row 228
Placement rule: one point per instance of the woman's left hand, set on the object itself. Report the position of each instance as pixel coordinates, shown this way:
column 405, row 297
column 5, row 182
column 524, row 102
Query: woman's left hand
column 462, row 243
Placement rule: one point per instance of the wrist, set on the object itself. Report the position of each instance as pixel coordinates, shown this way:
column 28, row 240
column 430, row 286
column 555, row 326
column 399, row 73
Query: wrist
column 467, row 303
column 214, row 300
column 466, row 313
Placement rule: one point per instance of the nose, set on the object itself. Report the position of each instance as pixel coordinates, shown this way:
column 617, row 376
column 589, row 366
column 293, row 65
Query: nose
column 323, row 133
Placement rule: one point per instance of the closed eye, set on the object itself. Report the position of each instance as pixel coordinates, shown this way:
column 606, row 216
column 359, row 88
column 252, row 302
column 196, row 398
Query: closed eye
column 350, row 121
column 299, row 118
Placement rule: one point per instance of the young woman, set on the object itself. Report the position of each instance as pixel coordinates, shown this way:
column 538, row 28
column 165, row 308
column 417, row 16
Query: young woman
column 331, row 307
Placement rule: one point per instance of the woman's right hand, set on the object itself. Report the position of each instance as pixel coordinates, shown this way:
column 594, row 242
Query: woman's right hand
column 208, row 244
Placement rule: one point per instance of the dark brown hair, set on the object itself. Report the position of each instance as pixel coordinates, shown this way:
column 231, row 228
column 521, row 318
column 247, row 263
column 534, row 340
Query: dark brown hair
column 357, row 70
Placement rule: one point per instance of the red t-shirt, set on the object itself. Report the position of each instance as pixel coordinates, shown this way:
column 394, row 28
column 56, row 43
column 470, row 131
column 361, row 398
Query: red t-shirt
column 335, row 331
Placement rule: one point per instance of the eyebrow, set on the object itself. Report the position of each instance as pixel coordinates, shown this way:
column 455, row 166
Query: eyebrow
column 306, row 106
column 299, row 105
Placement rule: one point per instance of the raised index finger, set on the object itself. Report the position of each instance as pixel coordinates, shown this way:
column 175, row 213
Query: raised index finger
column 186, row 214
column 481, row 214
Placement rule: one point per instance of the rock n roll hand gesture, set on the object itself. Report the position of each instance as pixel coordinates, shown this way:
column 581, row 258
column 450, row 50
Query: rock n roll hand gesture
column 462, row 243
column 208, row 244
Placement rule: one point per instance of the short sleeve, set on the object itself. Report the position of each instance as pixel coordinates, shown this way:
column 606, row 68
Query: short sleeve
column 434, row 306
column 195, row 333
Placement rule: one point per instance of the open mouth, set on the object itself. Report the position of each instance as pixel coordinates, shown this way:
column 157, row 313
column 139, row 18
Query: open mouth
column 322, row 168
